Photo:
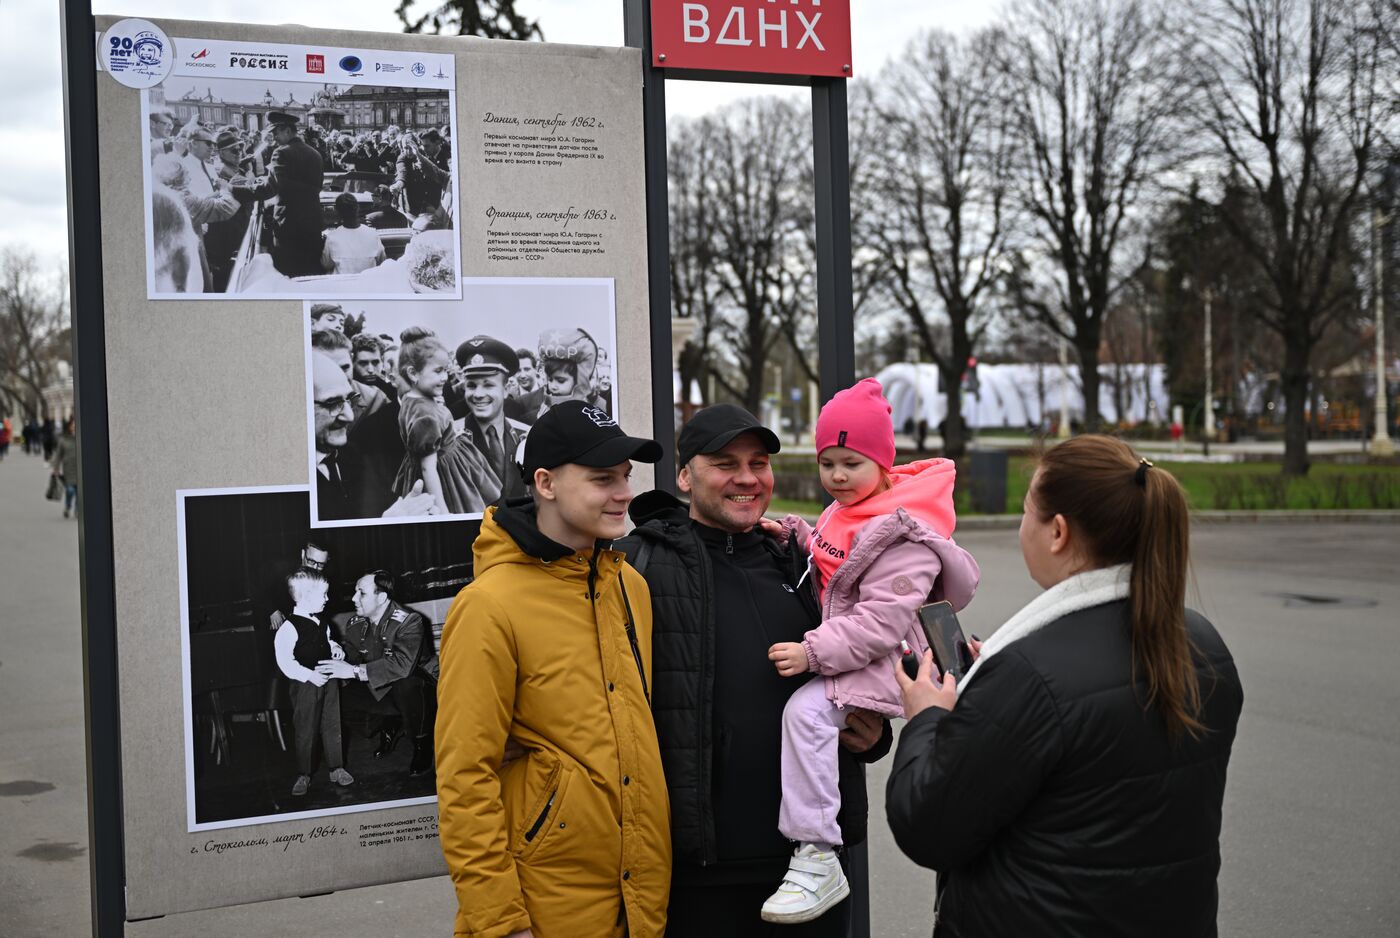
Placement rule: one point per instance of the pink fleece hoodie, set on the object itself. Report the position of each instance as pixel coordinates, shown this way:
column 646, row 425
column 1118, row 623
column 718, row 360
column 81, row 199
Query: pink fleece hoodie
column 897, row 561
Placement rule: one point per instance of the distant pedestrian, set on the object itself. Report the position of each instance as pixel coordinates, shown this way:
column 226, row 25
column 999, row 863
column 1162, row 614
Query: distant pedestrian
column 1072, row 781
column 48, row 435
column 6, row 434
column 65, row 466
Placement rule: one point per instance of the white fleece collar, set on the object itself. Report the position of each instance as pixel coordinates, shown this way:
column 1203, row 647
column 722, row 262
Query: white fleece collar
column 1081, row 591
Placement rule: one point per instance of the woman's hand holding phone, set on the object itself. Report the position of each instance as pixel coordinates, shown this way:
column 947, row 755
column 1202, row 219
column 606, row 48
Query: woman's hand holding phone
column 923, row 691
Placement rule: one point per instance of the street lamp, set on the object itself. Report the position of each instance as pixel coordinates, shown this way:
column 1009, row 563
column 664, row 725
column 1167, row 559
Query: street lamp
column 1381, row 444
column 1208, row 418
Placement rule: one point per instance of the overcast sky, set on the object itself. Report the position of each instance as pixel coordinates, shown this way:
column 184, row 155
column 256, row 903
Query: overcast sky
column 32, row 198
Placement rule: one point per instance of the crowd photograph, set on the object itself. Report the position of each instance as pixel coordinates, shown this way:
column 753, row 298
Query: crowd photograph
column 297, row 189
column 419, row 413
column 310, row 657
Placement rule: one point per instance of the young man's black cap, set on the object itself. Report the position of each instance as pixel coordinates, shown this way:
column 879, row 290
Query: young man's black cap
column 711, row 429
column 577, row 432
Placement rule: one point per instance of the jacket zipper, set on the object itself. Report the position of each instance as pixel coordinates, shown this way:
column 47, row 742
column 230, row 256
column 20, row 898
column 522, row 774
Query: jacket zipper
column 705, row 712
column 544, row 815
column 729, row 543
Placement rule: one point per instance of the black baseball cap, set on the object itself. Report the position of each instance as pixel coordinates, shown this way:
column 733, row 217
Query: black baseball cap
column 577, row 432
column 711, row 430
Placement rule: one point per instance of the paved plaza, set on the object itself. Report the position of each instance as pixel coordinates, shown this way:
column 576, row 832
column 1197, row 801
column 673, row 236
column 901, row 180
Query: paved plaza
column 1312, row 821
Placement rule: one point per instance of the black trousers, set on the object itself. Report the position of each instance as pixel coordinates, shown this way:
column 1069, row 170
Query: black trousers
column 408, row 698
column 316, row 714
column 732, row 912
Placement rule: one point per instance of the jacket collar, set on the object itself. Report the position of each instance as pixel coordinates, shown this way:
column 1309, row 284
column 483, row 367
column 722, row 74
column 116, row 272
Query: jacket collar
column 1081, row 591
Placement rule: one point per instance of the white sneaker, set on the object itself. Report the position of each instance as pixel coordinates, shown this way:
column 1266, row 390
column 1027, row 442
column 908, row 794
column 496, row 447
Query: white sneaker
column 813, row 884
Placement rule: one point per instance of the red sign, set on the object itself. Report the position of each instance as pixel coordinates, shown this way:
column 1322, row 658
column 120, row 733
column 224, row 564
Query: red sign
column 315, row 64
column 786, row 37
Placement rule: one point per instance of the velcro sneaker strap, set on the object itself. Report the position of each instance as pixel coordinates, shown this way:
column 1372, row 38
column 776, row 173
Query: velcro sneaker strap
column 802, row 880
column 807, row 866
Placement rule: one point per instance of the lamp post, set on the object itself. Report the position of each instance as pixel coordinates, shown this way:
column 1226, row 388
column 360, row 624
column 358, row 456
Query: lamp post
column 1381, row 444
column 1208, row 417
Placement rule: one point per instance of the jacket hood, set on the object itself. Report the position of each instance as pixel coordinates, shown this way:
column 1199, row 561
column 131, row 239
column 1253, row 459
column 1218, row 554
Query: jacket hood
column 924, row 489
column 510, row 533
column 658, row 505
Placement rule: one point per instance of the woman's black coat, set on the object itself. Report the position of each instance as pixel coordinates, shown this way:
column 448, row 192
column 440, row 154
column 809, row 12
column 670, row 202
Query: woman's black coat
column 1052, row 803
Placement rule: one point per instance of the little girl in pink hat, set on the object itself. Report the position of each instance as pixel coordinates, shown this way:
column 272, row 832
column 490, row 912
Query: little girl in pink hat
column 881, row 550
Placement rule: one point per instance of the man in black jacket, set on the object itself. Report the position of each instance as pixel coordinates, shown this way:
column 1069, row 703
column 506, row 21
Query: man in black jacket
column 722, row 594
column 294, row 177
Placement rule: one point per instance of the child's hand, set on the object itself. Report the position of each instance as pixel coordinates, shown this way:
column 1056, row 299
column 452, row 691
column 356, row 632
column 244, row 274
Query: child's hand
column 773, row 529
column 790, row 658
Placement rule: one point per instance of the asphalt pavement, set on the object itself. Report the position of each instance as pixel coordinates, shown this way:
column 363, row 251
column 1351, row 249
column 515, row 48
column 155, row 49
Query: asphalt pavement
column 1312, row 817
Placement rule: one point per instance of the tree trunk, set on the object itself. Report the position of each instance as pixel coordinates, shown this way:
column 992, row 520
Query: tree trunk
column 1087, row 345
column 1294, row 379
column 954, row 429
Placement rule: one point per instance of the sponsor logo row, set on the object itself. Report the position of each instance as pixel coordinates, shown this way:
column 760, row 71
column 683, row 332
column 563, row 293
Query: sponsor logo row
column 351, row 65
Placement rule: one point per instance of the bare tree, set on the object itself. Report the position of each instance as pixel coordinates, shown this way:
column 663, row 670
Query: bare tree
column 1094, row 92
column 760, row 151
column 695, row 277
column 937, row 215
column 493, row 19
column 1292, row 96
column 33, row 330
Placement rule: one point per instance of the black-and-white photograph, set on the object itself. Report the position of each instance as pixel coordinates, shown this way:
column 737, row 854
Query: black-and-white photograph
column 310, row 657
column 416, row 412
column 290, row 189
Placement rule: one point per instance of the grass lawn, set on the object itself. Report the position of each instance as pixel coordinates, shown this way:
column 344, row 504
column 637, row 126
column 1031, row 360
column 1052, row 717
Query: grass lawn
column 1256, row 486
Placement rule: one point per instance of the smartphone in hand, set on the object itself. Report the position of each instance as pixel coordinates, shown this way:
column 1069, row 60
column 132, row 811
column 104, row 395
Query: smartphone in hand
column 945, row 636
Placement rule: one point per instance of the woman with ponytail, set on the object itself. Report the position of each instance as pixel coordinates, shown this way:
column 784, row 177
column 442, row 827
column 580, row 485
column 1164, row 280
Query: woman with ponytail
column 1072, row 782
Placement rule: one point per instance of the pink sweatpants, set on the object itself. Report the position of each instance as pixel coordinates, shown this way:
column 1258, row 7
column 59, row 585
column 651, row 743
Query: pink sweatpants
column 811, row 793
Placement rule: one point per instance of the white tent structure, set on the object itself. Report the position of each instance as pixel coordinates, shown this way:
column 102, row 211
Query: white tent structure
column 1023, row 396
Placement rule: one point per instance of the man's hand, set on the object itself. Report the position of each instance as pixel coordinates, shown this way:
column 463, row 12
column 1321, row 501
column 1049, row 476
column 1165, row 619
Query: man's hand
column 923, row 692
column 790, row 658
column 416, row 502
column 336, row 668
column 863, row 729
column 317, row 679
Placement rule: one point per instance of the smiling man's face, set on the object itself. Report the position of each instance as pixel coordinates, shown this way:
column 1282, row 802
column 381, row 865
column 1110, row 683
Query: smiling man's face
column 730, row 489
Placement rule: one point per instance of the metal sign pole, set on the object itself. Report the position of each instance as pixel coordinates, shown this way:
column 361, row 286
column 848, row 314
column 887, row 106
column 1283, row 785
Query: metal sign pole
column 832, row 175
column 663, row 428
column 95, row 552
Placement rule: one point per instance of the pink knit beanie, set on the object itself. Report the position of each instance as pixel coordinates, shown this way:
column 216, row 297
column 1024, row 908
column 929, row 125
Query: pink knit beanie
column 858, row 418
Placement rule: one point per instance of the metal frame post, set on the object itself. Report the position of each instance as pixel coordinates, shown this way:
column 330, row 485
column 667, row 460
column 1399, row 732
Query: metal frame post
column 637, row 32
column 95, row 550
column 832, row 179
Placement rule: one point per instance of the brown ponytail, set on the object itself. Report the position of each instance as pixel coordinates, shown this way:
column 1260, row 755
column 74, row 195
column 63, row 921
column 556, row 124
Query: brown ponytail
column 1129, row 511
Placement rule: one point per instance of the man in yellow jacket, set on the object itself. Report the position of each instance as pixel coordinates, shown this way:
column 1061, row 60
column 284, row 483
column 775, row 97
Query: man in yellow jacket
column 550, row 646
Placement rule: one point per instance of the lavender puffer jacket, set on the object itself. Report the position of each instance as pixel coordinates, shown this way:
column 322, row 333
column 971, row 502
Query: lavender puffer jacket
column 895, row 565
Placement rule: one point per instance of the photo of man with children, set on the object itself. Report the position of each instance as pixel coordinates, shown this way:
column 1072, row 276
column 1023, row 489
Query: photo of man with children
column 423, row 412
column 311, row 189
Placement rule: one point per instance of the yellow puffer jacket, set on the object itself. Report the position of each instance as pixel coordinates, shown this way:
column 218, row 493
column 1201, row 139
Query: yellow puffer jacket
column 574, row 839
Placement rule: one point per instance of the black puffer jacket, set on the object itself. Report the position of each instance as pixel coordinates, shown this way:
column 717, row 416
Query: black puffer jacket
column 1051, row 803
column 675, row 562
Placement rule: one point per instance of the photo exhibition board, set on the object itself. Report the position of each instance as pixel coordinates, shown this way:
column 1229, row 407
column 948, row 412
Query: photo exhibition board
column 212, row 411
